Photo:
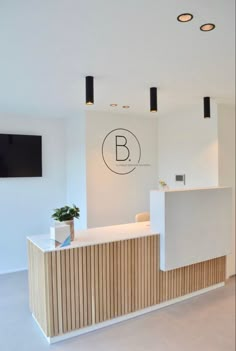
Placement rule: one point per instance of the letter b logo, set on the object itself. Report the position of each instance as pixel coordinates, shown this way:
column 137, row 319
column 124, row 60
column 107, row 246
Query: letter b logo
column 121, row 151
column 121, row 148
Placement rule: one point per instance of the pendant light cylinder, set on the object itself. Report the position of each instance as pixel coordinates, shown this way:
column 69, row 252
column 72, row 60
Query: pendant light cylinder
column 153, row 99
column 89, row 90
column 207, row 107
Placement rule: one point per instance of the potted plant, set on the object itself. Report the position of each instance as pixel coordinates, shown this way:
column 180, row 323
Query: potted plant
column 66, row 215
column 163, row 184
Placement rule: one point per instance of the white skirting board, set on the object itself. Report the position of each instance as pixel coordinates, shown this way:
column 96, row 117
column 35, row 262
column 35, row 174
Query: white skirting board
column 52, row 340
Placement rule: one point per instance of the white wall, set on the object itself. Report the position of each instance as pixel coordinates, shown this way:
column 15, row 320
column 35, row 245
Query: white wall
column 188, row 144
column 112, row 198
column 74, row 172
column 76, row 167
column 226, row 132
column 26, row 203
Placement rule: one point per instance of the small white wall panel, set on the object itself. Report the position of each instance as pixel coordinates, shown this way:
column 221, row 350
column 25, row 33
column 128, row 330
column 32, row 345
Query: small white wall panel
column 195, row 225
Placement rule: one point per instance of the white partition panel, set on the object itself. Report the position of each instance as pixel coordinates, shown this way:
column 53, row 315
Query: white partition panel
column 195, row 225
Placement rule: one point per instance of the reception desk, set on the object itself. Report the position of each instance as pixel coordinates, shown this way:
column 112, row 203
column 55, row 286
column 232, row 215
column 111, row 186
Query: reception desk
column 108, row 275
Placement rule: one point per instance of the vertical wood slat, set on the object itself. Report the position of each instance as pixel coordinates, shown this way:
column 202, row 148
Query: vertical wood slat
column 96, row 263
column 59, row 293
column 119, row 299
column 68, row 296
column 63, row 292
column 76, row 285
column 88, row 279
column 30, row 275
column 211, row 271
column 122, row 277
column 115, row 267
column 136, row 274
column 155, row 269
column 85, row 296
column 112, row 280
column 93, row 298
column 151, row 273
column 49, row 297
column 129, row 276
column 100, row 275
column 71, row 289
column 145, row 272
column 140, row 273
column 133, row 275
column 149, row 277
column 104, row 278
column 108, row 293
column 54, row 293
column 81, row 312
column 126, row 276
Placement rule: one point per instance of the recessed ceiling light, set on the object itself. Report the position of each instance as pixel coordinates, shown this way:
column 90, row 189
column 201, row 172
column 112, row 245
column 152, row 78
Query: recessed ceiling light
column 113, row 105
column 207, row 27
column 185, row 17
column 126, row 106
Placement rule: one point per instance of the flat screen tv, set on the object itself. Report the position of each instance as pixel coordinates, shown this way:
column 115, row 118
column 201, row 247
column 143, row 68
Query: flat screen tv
column 20, row 155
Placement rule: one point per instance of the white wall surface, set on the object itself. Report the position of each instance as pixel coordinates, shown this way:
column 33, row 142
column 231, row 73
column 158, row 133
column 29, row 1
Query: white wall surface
column 74, row 172
column 226, row 132
column 188, row 144
column 26, row 204
column 76, row 167
column 111, row 198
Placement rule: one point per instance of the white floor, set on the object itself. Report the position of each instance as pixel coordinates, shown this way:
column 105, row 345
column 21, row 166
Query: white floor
column 204, row 323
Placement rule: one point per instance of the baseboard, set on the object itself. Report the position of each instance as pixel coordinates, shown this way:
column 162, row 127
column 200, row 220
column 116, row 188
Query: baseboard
column 94, row 327
column 13, row 270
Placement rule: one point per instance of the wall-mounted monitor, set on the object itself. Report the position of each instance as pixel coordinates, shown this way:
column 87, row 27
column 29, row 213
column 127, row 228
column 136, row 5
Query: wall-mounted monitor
column 20, row 155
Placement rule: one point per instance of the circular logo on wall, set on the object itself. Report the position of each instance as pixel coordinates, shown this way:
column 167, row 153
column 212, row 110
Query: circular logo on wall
column 121, row 151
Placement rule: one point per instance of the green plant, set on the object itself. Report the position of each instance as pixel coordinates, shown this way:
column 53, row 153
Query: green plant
column 162, row 183
column 66, row 213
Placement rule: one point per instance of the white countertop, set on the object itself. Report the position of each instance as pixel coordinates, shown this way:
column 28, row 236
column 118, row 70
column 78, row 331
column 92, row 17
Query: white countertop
column 172, row 190
column 95, row 236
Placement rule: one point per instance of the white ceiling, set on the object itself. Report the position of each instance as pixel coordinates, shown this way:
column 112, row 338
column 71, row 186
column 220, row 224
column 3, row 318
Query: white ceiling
column 48, row 46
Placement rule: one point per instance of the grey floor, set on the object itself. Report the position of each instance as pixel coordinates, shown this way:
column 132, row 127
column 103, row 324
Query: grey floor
column 204, row 323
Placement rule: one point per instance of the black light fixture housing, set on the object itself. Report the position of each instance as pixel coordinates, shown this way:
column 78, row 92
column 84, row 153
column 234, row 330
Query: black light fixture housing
column 153, row 99
column 89, row 90
column 207, row 107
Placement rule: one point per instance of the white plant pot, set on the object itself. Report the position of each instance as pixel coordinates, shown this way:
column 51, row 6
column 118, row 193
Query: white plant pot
column 60, row 233
column 72, row 230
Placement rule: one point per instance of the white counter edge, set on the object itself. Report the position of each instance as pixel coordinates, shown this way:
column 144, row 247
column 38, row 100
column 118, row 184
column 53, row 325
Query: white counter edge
column 96, row 236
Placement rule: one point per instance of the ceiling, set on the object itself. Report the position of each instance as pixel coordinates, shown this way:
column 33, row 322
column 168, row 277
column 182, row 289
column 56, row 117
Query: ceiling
column 49, row 46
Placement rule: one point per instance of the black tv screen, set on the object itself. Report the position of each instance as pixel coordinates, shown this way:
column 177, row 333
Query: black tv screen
column 20, row 155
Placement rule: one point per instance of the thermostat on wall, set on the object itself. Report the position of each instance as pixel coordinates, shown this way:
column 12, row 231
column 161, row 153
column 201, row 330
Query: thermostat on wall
column 180, row 178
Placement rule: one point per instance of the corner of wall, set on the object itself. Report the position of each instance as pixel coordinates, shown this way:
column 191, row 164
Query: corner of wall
column 226, row 136
column 76, row 166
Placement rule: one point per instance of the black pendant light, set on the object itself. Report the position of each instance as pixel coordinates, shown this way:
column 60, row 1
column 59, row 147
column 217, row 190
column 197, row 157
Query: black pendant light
column 89, row 90
column 153, row 99
column 207, row 107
